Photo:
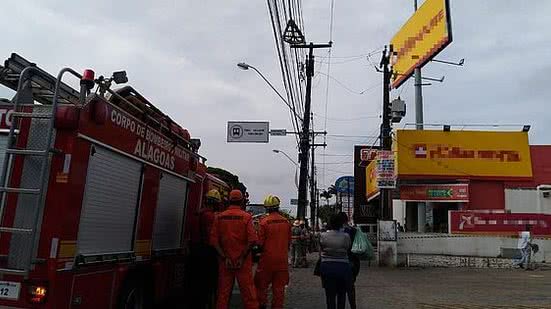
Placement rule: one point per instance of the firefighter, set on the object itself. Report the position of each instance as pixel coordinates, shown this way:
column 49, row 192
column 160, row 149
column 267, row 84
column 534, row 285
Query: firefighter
column 274, row 237
column 233, row 236
column 208, row 255
column 296, row 233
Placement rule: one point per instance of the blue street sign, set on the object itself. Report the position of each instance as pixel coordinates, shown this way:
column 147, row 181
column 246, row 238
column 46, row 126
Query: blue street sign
column 345, row 184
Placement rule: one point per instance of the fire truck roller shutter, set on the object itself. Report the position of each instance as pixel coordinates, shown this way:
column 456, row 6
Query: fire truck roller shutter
column 110, row 203
column 3, row 146
column 170, row 212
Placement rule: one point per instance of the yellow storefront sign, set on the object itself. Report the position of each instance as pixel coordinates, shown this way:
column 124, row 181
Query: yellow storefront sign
column 424, row 35
column 372, row 190
column 463, row 153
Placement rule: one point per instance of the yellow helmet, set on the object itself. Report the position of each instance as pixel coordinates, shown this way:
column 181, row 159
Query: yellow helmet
column 214, row 195
column 271, row 201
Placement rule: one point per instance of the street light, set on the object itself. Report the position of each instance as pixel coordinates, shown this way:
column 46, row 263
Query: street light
column 285, row 154
column 244, row 66
column 292, row 161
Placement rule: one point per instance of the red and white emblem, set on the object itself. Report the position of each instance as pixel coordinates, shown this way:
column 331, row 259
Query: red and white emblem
column 421, row 151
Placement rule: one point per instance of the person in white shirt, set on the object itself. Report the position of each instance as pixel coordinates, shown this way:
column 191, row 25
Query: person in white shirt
column 524, row 244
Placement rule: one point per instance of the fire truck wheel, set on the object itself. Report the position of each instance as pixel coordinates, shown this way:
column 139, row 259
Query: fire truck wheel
column 133, row 296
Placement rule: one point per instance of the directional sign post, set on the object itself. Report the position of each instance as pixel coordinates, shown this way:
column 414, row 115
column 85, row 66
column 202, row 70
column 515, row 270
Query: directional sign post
column 248, row 132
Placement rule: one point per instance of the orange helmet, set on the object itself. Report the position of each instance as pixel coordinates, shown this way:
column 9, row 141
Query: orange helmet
column 236, row 196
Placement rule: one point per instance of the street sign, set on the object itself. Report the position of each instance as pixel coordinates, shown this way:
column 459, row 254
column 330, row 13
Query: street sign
column 294, row 201
column 435, row 192
column 386, row 175
column 345, row 184
column 248, row 132
column 278, row 132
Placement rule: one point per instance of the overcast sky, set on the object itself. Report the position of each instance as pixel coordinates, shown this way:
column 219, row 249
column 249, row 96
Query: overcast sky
column 182, row 56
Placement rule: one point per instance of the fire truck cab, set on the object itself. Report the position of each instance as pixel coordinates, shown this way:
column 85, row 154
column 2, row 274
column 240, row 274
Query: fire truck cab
column 94, row 189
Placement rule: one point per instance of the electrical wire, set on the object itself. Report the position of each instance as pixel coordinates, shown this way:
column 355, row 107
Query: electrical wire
column 348, row 88
column 273, row 8
column 329, row 52
column 346, row 119
column 371, row 53
column 337, row 155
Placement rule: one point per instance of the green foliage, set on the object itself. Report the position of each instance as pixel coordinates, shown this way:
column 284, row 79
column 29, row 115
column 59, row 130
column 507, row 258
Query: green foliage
column 231, row 179
column 326, row 211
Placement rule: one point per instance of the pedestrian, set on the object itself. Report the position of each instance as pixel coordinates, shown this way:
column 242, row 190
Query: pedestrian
column 303, row 244
column 353, row 258
column 295, row 243
column 525, row 246
column 208, row 257
column 274, row 238
column 233, row 236
column 335, row 270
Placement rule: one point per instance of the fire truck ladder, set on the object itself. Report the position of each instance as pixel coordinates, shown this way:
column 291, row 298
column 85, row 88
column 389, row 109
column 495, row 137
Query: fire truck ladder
column 32, row 84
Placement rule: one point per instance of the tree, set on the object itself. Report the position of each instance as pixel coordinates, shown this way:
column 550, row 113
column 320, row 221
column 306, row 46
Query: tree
column 231, row 179
column 332, row 190
column 326, row 211
column 326, row 195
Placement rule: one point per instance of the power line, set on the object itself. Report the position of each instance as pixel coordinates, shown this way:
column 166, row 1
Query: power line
column 337, row 163
column 371, row 53
column 347, row 119
column 361, row 136
column 337, row 155
column 288, row 83
column 348, row 88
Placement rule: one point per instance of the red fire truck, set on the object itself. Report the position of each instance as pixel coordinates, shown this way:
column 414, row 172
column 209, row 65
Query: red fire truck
column 99, row 193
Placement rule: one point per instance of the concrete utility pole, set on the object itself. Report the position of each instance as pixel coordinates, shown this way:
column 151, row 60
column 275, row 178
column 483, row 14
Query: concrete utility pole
column 386, row 139
column 305, row 136
column 418, row 94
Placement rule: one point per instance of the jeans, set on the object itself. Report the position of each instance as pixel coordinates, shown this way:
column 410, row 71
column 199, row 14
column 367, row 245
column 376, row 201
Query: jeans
column 336, row 278
column 525, row 257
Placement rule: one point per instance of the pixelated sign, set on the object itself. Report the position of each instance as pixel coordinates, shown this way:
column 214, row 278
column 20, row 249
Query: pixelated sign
column 372, row 189
column 466, row 222
column 463, row 153
column 424, row 35
column 386, row 171
column 435, row 192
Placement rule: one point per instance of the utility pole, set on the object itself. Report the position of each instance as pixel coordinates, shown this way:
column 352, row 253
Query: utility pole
column 305, row 136
column 418, row 94
column 313, row 211
column 386, row 139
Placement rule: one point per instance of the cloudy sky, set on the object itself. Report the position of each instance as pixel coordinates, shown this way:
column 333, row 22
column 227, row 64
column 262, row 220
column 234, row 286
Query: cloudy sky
column 182, row 55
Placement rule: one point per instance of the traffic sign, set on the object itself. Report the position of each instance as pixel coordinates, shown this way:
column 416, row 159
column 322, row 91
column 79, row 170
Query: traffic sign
column 278, row 132
column 248, row 132
column 294, row 201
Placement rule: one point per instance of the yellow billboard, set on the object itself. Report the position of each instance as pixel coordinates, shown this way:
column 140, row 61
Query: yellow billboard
column 372, row 189
column 424, row 35
column 463, row 154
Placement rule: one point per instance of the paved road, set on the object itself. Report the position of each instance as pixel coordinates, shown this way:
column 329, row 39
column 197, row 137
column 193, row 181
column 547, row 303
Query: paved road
column 429, row 288
column 432, row 288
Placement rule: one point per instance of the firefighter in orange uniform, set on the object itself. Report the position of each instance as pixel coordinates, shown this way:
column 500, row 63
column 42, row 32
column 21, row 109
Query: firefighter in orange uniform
column 206, row 293
column 233, row 236
column 274, row 235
